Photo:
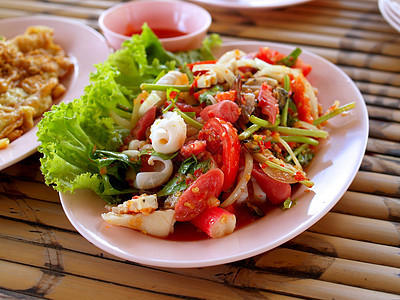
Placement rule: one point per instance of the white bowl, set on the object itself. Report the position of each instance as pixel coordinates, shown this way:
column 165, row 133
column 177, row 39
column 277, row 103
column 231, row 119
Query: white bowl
column 332, row 170
column 118, row 21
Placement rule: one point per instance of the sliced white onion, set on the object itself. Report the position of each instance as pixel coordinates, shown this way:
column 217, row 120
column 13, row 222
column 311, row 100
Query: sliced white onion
column 242, row 184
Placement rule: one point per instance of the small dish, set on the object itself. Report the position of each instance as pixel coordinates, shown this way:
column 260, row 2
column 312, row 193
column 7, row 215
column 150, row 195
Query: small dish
column 83, row 45
column 333, row 169
column 181, row 25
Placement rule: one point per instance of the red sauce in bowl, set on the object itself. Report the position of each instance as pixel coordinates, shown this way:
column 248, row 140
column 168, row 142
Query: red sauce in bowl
column 161, row 33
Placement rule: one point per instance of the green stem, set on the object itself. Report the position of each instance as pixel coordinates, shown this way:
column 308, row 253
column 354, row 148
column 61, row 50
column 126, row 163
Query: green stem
column 334, row 113
column 285, row 113
column 297, row 151
column 245, row 134
column 300, row 139
column 164, row 87
column 263, row 123
column 301, row 132
column 188, row 119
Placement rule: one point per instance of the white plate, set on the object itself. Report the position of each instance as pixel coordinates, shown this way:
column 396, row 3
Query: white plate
column 390, row 12
column 84, row 45
column 251, row 4
column 332, row 170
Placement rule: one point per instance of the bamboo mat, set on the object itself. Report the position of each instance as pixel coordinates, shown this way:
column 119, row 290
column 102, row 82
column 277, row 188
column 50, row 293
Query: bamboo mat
column 351, row 253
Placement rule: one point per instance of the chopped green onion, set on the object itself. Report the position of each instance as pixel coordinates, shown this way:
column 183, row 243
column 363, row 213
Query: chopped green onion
column 291, row 59
column 297, row 151
column 263, row 123
column 300, row 139
column 301, row 132
column 285, row 113
column 286, row 82
column 164, row 87
column 245, row 134
column 188, row 119
column 335, row 112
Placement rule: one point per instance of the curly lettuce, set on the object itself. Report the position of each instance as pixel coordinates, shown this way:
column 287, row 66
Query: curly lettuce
column 80, row 139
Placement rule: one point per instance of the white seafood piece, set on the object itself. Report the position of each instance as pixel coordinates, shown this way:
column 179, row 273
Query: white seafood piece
column 223, row 73
column 157, row 98
column 161, row 174
column 144, row 204
column 207, row 80
column 227, row 57
column 159, row 223
column 168, row 134
column 259, row 195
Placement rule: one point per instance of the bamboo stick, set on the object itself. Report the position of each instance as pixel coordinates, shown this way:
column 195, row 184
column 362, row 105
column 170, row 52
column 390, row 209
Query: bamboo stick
column 345, row 248
column 346, row 5
column 382, row 101
column 342, row 271
column 381, row 164
column 378, row 184
column 378, row 89
column 36, row 282
column 356, row 59
column 383, row 147
column 35, row 211
column 315, row 39
column 53, row 8
column 384, row 130
column 121, row 273
column 361, row 23
column 372, row 76
column 103, row 4
column 359, row 228
column 369, row 206
column 385, row 114
column 17, row 188
column 308, row 288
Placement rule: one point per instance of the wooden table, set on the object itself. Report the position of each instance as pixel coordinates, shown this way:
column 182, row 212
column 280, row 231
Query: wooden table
column 351, row 253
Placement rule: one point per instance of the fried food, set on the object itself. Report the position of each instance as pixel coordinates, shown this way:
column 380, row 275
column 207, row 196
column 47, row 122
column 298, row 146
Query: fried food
column 31, row 67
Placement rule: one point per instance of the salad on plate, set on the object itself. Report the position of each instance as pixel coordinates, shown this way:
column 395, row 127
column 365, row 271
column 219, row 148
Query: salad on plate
column 184, row 139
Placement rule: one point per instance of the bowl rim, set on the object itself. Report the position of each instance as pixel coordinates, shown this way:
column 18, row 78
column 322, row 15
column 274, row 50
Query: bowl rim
column 203, row 28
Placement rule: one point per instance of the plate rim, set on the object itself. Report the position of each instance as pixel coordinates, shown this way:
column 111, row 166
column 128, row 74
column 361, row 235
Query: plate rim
column 253, row 6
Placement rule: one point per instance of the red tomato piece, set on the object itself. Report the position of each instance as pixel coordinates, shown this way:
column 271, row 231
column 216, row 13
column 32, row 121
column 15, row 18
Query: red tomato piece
column 277, row 192
column 139, row 131
column 305, row 68
column 225, row 110
column 268, row 103
column 270, row 56
column 195, row 198
column 220, row 134
column 193, row 147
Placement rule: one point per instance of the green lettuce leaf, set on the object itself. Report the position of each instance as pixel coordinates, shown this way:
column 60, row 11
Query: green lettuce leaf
column 79, row 140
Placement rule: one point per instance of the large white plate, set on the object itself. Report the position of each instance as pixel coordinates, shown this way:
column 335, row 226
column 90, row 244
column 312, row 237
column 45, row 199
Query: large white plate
column 332, row 170
column 84, row 45
column 251, row 4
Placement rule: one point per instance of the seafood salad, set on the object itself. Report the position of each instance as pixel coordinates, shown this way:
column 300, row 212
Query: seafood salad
column 184, row 138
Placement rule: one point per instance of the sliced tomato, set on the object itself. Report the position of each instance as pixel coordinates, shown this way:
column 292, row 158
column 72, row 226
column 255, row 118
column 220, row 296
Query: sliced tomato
column 304, row 67
column 270, row 56
column 277, row 192
column 268, row 103
column 222, row 139
column 273, row 56
column 196, row 197
column 194, row 147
